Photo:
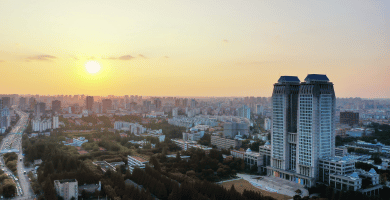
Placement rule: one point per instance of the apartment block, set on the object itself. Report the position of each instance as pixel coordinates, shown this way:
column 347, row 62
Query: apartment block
column 67, row 188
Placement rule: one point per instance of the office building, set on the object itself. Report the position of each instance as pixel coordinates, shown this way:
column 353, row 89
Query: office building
column 56, row 106
column 349, row 118
column 67, row 188
column 303, row 127
column 89, row 103
column 107, row 105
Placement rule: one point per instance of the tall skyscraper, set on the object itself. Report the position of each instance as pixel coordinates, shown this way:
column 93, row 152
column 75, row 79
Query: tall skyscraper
column 6, row 102
column 107, row 104
column 302, row 127
column 56, row 106
column 22, row 103
column 89, row 103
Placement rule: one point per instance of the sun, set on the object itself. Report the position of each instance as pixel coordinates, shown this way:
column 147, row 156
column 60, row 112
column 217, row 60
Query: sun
column 92, row 67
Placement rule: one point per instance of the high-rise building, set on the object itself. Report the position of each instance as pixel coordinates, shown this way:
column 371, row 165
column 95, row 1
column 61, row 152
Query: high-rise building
column 40, row 109
column 55, row 122
column 6, row 102
column 244, row 111
column 107, row 104
column 157, row 102
column 89, row 103
column 22, row 103
column 56, row 106
column 303, row 128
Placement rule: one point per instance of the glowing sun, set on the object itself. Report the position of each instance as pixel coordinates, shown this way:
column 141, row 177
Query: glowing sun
column 92, row 67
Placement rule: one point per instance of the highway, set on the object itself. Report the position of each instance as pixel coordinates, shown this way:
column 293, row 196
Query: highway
column 13, row 143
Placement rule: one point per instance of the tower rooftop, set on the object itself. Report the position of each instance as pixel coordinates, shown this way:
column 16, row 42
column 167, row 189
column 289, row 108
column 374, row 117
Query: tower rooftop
column 316, row 77
column 289, row 79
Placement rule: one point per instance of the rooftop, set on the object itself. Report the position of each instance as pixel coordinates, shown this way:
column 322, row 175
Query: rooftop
column 316, row 77
column 285, row 79
column 138, row 159
column 66, row 180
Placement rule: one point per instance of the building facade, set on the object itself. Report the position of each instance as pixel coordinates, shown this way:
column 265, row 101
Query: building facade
column 67, row 188
column 302, row 127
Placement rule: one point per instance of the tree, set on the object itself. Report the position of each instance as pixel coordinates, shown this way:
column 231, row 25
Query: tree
column 298, row 192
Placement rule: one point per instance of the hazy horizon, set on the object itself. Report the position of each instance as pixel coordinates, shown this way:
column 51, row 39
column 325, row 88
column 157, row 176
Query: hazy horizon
column 187, row 48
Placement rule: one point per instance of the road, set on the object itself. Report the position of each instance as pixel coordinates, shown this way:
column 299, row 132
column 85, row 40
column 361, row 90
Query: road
column 13, row 143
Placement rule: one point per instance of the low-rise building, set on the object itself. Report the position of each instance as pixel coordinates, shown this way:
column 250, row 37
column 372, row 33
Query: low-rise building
column 225, row 143
column 67, row 188
column 136, row 161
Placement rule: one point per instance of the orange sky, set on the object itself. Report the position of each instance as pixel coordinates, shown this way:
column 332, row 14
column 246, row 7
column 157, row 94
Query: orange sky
column 192, row 48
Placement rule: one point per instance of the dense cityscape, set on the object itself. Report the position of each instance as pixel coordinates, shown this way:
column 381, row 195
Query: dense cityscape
column 303, row 142
column 195, row 100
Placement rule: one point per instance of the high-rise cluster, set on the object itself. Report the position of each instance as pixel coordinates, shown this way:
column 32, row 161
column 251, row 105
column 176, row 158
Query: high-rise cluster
column 303, row 127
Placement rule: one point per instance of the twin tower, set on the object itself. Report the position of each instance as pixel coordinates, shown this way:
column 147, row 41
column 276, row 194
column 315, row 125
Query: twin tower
column 303, row 127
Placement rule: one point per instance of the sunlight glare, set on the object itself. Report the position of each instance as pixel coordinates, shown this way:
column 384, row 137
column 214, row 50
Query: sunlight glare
column 92, row 67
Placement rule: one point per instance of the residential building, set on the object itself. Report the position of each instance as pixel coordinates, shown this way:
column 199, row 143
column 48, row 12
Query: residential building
column 303, row 128
column 107, row 105
column 267, row 124
column 349, row 118
column 231, row 129
column 67, row 188
column 193, row 135
column 89, row 103
column 56, row 106
column 55, row 122
column 244, row 112
column 225, row 143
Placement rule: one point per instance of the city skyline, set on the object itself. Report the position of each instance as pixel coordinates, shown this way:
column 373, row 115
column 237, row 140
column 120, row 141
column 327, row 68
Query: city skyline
column 185, row 48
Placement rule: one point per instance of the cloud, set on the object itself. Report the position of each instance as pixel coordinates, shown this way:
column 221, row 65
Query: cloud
column 225, row 41
column 41, row 58
column 126, row 57
column 141, row 56
column 2, row 61
column 166, row 57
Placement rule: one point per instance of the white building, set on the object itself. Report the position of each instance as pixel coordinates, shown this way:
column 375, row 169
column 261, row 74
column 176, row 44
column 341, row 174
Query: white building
column 39, row 125
column 267, row 124
column 303, row 127
column 55, row 122
column 135, row 161
column 67, row 188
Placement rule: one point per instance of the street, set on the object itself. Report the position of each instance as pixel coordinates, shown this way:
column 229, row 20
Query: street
column 13, row 143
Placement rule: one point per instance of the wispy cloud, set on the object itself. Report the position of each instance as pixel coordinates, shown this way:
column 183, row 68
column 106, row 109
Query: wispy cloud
column 2, row 61
column 125, row 57
column 41, row 58
column 166, row 57
column 225, row 41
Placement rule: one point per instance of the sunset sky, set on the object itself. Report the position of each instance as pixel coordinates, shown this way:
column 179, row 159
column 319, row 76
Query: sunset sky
column 193, row 48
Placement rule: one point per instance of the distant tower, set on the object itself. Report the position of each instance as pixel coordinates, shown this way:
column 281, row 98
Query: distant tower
column 89, row 103
column 107, row 104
